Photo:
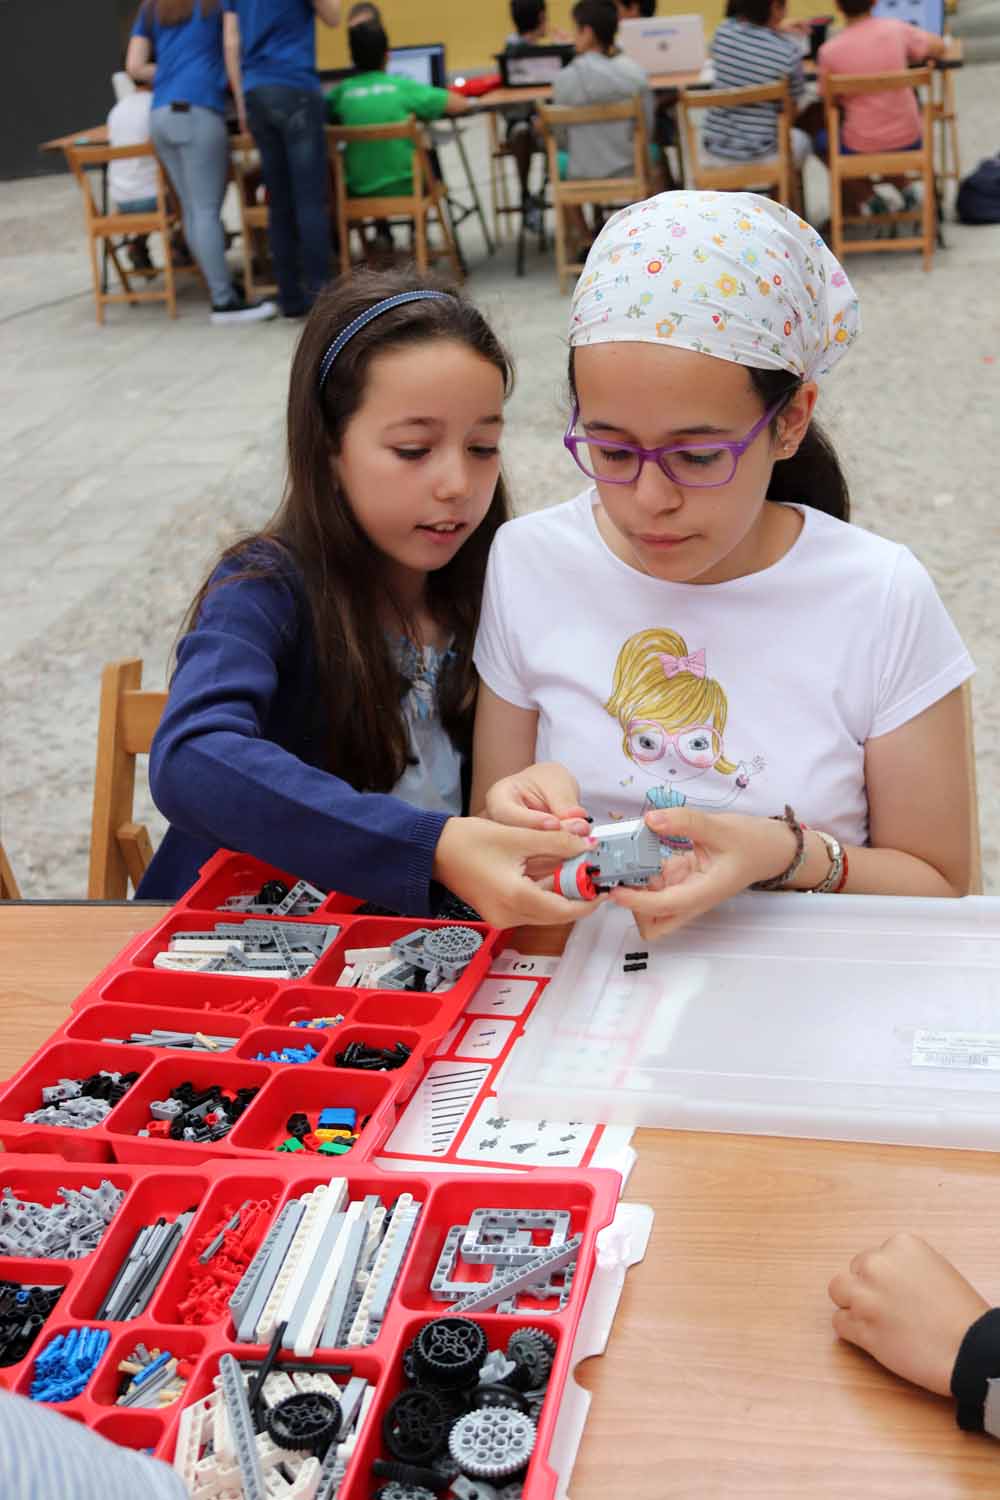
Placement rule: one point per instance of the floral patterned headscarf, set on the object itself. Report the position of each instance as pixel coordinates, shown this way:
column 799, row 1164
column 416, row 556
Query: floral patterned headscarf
column 733, row 275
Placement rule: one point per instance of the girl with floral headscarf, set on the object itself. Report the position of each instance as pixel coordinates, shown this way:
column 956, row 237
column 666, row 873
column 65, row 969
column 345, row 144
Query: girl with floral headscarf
column 715, row 520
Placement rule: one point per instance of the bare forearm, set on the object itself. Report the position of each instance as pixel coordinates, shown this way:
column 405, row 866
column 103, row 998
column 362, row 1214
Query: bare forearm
column 875, row 872
column 235, row 75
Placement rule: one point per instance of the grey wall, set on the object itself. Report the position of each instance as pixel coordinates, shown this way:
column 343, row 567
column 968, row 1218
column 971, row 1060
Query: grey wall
column 56, row 61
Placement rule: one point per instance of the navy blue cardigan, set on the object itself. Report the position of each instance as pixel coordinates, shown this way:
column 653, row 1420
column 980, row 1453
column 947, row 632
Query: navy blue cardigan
column 238, row 761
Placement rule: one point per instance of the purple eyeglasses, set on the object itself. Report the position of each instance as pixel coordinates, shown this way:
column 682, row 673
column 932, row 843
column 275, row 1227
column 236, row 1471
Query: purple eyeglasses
column 705, row 466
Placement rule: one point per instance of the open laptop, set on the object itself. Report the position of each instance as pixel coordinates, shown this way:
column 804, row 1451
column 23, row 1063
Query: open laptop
column 927, row 14
column 528, row 67
column 424, row 64
column 664, row 44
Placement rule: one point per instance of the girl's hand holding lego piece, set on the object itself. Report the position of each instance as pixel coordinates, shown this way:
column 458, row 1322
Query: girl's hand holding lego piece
column 908, row 1307
column 543, row 796
column 731, row 851
column 490, row 867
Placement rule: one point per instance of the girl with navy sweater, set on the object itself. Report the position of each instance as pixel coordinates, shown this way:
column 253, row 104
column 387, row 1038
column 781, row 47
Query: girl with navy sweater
column 320, row 713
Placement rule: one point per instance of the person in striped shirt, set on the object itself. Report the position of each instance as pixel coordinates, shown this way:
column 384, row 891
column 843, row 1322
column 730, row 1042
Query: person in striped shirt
column 751, row 47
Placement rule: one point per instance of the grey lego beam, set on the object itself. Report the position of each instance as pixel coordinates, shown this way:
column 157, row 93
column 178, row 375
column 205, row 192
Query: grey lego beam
column 268, row 1263
column 234, row 1393
column 519, row 1278
column 337, row 1309
column 314, row 1276
column 350, row 1403
column 392, row 1266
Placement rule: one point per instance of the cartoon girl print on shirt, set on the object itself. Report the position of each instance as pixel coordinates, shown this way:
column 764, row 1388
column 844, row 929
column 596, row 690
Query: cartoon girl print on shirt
column 673, row 718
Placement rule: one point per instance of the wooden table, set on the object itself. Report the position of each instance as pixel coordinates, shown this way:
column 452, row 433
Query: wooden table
column 723, row 1378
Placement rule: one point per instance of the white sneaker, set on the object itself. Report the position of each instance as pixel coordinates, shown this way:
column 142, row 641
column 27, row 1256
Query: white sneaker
column 239, row 310
column 891, row 197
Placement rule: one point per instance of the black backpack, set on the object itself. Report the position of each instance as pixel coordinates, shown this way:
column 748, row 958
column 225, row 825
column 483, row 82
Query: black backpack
column 978, row 199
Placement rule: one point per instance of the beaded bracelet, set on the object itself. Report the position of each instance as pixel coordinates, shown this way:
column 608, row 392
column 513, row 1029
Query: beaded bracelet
column 799, row 829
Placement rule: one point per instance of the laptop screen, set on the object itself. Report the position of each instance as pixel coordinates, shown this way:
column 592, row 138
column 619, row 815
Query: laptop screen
column 422, row 64
column 927, row 14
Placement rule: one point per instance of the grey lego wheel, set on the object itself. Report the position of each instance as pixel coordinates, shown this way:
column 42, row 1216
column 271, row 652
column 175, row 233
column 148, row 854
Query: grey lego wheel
column 492, row 1443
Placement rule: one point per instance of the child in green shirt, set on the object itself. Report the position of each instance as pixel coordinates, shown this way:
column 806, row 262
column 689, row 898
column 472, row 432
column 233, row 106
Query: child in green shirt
column 374, row 97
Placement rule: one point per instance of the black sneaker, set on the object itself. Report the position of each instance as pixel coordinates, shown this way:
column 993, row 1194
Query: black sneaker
column 533, row 209
column 239, row 310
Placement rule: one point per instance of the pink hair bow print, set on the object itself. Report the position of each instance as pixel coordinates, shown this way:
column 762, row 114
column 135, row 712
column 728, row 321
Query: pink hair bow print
column 695, row 663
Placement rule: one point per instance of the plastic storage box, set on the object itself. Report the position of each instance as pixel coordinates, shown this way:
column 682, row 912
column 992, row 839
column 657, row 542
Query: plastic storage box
column 838, row 1017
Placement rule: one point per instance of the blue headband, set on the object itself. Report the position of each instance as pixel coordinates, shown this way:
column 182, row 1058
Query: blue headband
column 366, row 317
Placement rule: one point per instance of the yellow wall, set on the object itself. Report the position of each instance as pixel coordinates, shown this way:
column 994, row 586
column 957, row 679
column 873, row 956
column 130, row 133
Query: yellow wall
column 472, row 30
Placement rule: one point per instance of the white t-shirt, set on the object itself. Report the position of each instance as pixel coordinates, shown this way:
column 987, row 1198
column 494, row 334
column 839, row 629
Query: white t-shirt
column 743, row 696
column 128, row 125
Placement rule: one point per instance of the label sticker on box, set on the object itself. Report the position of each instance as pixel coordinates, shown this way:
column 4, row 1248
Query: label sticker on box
column 956, row 1049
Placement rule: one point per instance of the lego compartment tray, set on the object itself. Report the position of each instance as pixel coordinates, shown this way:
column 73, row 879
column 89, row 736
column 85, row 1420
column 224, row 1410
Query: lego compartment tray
column 837, row 1017
column 613, row 1237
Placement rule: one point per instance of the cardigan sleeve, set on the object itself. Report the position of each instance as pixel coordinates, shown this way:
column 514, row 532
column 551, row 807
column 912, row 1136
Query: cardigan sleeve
column 216, row 776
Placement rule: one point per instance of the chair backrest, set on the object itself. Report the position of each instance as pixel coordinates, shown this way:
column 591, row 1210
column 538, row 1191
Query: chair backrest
column 9, row 890
column 553, row 117
column 82, row 158
column 339, row 137
column 840, row 86
column 120, row 849
column 694, row 100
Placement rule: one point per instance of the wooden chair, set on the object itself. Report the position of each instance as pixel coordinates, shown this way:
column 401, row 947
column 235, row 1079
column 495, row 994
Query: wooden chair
column 111, row 227
column 840, row 86
column 120, row 849
column 428, row 199
column 254, row 216
column 501, row 156
column 775, row 175
column 577, row 191
column 9, row 889
column 946, row 118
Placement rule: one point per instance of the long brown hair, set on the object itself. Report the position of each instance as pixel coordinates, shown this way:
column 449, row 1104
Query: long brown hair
column 315, row 542
column 176, row 12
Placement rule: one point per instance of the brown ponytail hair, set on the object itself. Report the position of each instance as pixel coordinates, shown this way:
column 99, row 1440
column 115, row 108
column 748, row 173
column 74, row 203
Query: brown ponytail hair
column 315, row 544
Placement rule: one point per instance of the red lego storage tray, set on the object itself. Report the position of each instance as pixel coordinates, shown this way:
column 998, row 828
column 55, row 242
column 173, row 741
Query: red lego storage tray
column 214, row 1191
column 260, row 1015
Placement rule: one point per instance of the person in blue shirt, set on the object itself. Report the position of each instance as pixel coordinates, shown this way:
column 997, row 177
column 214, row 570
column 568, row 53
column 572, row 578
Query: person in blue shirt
column 270, row 48
column 188, row 129
column 320, row 712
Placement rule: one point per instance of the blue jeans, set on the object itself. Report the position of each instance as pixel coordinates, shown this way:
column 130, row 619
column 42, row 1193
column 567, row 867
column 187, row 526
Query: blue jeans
column 194, row 147
column 287, row 125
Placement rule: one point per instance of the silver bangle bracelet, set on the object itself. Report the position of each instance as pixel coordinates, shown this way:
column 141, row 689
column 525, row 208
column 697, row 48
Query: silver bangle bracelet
column 835, row 873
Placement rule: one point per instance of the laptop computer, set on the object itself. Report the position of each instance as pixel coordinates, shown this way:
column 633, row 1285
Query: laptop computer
column 528, row 67
column 664, row 44
column 927, row 14
column 424, row 64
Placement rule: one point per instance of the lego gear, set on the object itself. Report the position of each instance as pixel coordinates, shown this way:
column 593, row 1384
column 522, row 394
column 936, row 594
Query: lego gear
column 531, row 1350
column 419, row 1474
column 452, row 945
column 415, row 1427
column 497, row 1394
column 492, row 1444
column 396, row 1491
column 540, row 1335
column 511, row 1492
column 449, row 1352
column 308, row 1421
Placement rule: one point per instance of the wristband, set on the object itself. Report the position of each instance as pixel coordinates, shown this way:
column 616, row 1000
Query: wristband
column 978, row 1360
column 799, row 830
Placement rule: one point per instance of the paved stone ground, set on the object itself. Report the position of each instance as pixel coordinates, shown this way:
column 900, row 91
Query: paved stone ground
column 129, row 454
